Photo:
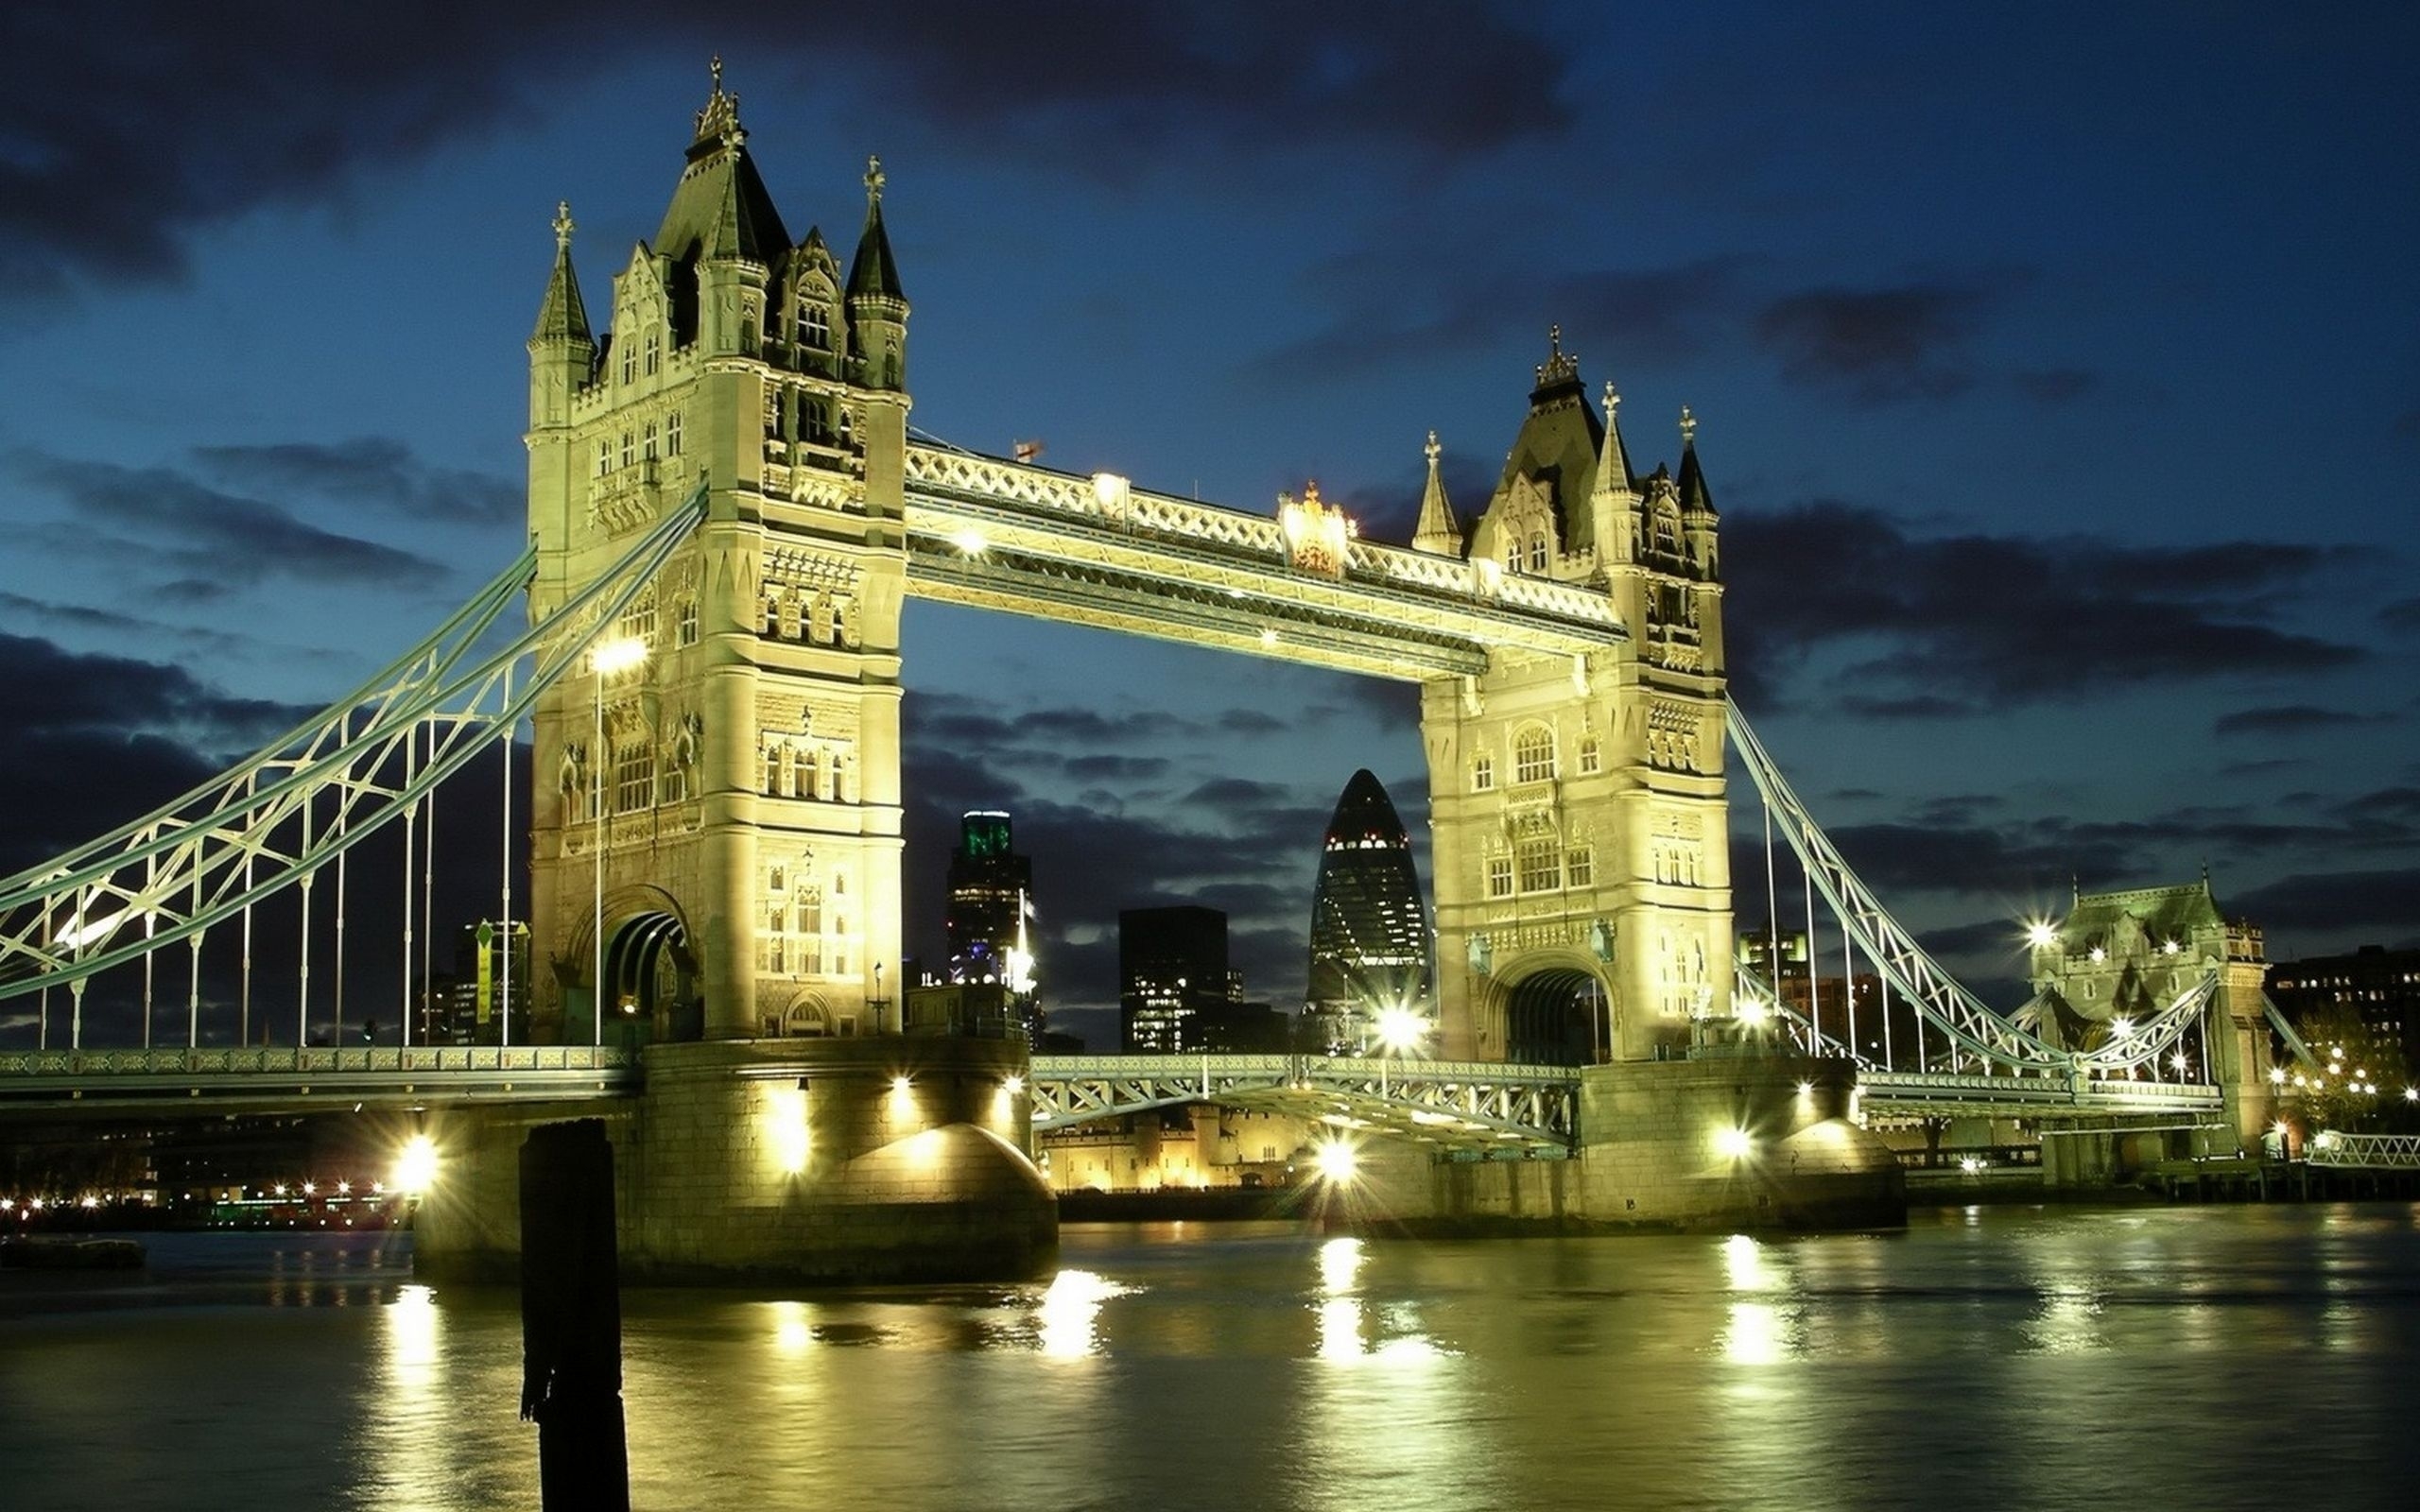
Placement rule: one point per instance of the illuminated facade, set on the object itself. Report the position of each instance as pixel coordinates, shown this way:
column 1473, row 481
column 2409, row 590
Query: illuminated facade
column 991, row 910
column 1582, row 869
column 741, row 780
column 1369, row 927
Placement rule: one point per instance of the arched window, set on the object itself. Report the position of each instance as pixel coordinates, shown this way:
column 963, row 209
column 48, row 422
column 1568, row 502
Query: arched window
column 633, row 777
column 1538, row 554
column 776, row 958
column 1482, row 774
column 1533, row 754
column 1590, row 757
column 630, row 358
column 654, row 350
column 815, row 324
column 773, row 777
column 1513, row 556
column 685, row 622
column 810, row 912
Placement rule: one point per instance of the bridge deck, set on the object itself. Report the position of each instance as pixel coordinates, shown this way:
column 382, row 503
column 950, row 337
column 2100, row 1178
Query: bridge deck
column 248, row 1078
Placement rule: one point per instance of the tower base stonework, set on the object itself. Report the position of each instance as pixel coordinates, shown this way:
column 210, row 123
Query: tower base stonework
column 1757, row 1143
column 833, row 1161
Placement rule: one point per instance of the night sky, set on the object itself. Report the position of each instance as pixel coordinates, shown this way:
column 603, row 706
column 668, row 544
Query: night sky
column 2058, row 369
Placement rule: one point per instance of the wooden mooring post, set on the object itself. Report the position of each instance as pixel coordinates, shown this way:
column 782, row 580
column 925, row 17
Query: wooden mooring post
column 571, row 1318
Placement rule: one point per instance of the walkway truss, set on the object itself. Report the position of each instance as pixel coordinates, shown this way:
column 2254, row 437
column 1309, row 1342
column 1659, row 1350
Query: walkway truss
column 1467, row 1109
column 276, row 819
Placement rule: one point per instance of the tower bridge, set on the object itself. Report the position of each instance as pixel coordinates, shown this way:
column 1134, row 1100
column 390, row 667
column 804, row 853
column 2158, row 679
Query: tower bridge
column 728, row 512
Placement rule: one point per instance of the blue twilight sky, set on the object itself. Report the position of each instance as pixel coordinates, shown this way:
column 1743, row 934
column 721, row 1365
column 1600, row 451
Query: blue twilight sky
column 2058, row 366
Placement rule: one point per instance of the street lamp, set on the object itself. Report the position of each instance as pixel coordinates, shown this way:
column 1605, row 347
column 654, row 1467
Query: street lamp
column 604, row 660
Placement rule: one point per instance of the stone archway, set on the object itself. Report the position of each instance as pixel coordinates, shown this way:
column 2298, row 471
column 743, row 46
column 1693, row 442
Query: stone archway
column 651, row 974
column 1556, row 1013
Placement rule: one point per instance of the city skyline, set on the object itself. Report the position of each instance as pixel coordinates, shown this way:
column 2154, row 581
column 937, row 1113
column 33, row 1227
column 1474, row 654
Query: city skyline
column 2066, row 489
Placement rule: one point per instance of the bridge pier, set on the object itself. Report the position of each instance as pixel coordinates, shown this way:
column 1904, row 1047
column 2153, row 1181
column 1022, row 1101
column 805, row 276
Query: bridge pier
column 1744, row 1143
column 864, row 1160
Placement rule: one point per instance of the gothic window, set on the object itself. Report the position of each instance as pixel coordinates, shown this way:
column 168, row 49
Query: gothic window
column 676, row 784
column 1482, row 774
column 686, row 621
column 1533, row 755
column 790, row 617
column 630, row 356
column 1579, row 867
column 774, row 879
column 1538, row 554
column 633, row 777
column 1539, row 864
column 815, row 325
column 638, row 621
column 748, row 333
column 647, row 443
column 653, row 350
column 604, row 456
column 810, row 912
column 774, row 953
column 672, row 434
column 848, row 428
column 1590, row 758
column 839, row 889
column 840, row 622
column 1513, row 556
column 773, row 780
column 626, row 449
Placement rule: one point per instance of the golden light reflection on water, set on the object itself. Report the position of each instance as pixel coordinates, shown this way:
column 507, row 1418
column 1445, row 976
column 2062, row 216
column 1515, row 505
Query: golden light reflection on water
column 1069, row 1313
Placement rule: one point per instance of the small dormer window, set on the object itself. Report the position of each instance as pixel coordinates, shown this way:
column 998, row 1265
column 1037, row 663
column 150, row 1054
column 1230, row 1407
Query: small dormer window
column 1513, row 556
column 1538, row 554
column 655, row 352
column 815, row 325
column 630, row 360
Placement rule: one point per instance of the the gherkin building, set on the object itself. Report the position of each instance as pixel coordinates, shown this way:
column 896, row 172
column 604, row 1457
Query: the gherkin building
column 1370, row 939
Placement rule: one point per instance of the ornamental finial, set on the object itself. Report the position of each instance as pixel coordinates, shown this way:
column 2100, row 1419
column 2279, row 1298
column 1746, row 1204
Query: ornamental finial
column 1433, row 451
column 720, row 118
column 1688, row 427
column 1559, row 365
column 563, row 225
column 874, row 180
column 1613, row 401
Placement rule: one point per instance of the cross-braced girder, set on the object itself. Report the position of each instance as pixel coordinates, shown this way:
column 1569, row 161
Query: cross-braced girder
column 1979, row 1030
column 275, row 818
column 1004, row 535
column 1476, row 1107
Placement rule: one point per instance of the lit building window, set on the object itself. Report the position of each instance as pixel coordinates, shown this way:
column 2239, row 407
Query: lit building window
column 1533, row 755
column 633, row 777
column 1500, row 877
column 653, row 350
column 1539, row 864
column 815, row 325
column 1579, row 867
column 1589, row 757
column 627, row 449
column 1538, row 554
column 672, row 434
column 1482, row 775
column 604, row 457
column 687, row 621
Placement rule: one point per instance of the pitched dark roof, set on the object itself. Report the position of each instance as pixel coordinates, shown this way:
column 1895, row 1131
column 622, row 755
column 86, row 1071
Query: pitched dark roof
column 871, row 272
column 721, row 207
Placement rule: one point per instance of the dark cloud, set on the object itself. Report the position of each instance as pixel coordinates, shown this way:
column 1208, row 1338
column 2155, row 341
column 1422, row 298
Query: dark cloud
column 2403, row 614
column 373, row 470
column 126, row 135
column 1239, row 793
column 214, row 537
column 1116, row 768
column 2334, row 902
column 54, row 691
column 2004, row 618
column 1390, row 510
column 1914, row 706
column 85, row 619
column 2288, row 719
column 1390, row 307
column 1876, row 346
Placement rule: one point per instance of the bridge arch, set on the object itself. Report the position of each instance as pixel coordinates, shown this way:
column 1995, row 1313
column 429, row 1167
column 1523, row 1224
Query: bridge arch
column 1556, row 1008
column 651, row 971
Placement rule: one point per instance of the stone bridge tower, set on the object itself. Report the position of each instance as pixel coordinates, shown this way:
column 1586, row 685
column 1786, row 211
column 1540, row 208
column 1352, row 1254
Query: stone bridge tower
column 1581, row 856
column 745, row 790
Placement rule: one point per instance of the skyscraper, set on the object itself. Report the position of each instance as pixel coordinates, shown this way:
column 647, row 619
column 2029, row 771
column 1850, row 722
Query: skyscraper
column 991, row 903
column 1369, row 930
column 1171, row 973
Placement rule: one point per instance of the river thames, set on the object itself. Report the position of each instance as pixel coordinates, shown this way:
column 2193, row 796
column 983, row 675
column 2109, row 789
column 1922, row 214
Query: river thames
column 2003, row 1357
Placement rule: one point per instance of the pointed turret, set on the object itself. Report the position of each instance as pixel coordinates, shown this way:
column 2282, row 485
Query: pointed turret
column 721, row 210
column 561, row 316
column 1555, row 456
column 1438, row 530
column 877, row 308
column 1613, row 504
column 1698, row 519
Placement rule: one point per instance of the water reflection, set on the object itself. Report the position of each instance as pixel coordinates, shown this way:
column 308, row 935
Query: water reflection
column 1069, row 1313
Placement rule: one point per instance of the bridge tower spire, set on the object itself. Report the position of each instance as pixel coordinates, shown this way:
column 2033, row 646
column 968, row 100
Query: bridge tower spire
column 734, row 796
column 1438, row 530
column 1580, row 850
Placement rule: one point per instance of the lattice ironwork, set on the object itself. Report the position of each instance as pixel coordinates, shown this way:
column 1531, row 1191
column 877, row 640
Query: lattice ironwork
column 1972, row 1025
column 1462, row 1105
column 2364, row 1152
column 275, row 818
